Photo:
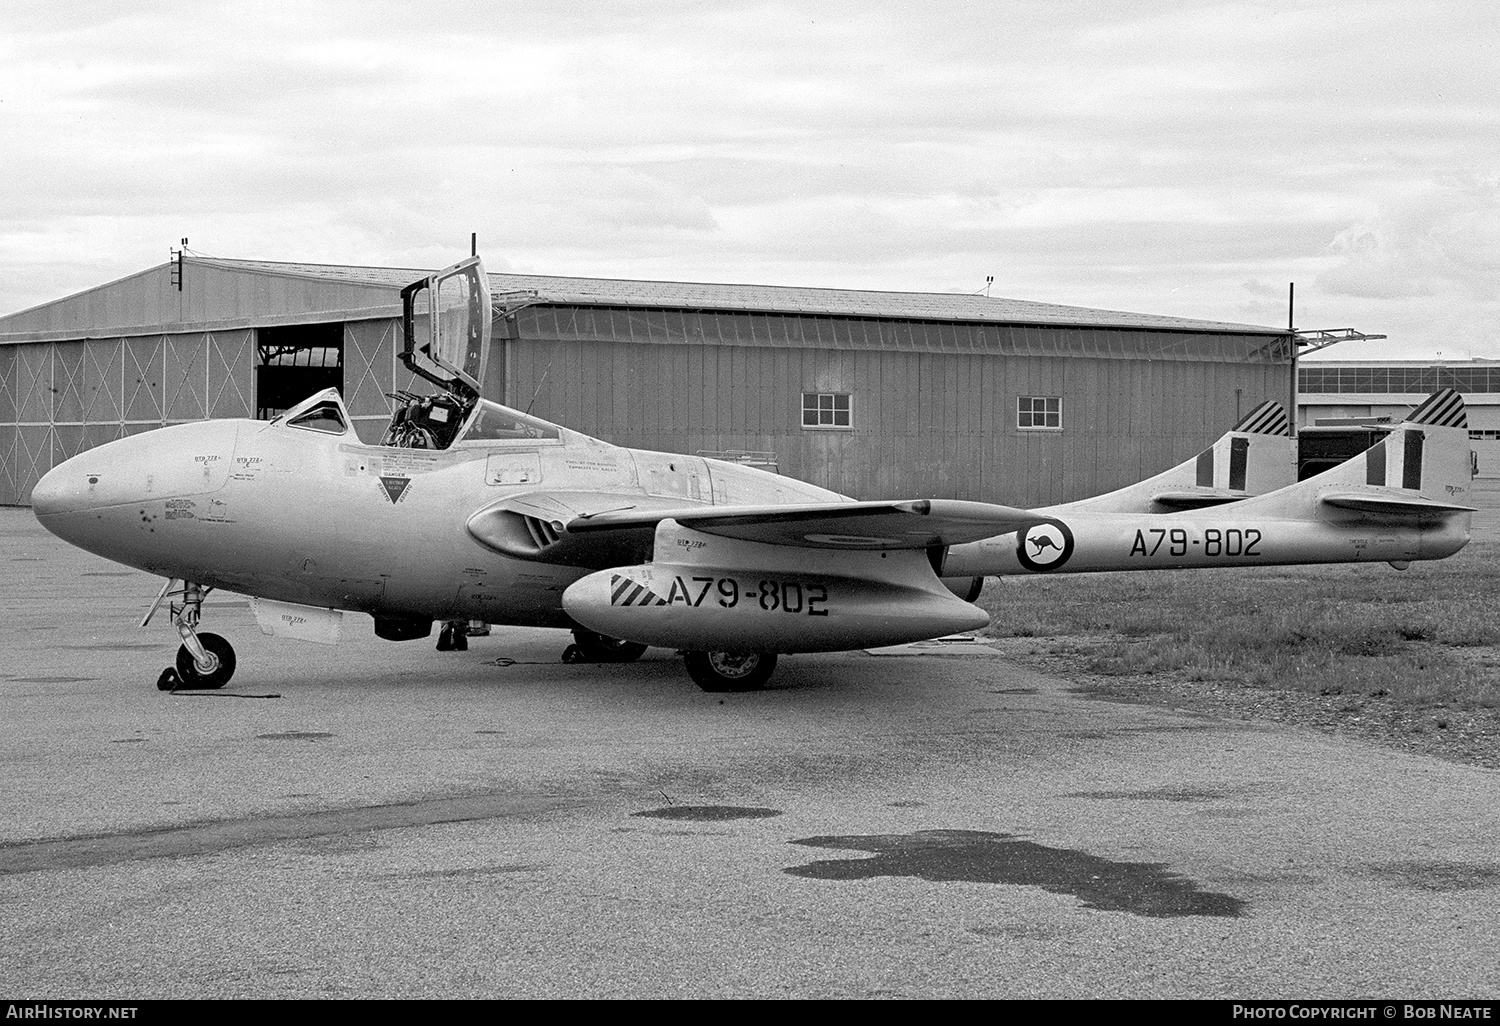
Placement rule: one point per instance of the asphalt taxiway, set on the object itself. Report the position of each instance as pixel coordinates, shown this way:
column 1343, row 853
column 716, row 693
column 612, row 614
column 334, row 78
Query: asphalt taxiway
column 382, row 820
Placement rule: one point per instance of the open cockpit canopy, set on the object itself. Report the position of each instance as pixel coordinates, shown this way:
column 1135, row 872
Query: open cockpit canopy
column 445, row 321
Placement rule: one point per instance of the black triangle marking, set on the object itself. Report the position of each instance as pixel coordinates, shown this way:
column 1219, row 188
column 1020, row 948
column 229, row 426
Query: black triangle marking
column 395, row 487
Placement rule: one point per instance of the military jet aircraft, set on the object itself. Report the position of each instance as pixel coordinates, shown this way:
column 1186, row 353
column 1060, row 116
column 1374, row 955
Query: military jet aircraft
column 470, row 510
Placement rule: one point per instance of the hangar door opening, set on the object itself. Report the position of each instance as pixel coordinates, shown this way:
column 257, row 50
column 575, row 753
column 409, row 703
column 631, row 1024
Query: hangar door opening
column 295, row 361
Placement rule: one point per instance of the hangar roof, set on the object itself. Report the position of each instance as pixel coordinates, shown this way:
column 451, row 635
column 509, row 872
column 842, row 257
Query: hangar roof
column 224, row 293
column 678, row 295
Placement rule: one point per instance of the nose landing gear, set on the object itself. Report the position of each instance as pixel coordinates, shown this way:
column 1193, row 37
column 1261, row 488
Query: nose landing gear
column 205, row 661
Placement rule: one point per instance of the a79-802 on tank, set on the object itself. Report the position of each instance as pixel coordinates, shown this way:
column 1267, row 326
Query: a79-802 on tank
column 470, row 510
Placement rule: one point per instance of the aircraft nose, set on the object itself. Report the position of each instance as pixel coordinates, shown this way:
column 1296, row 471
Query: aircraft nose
column 88, row 500
column 112, row 474
column 56, row 492
column 91, row 480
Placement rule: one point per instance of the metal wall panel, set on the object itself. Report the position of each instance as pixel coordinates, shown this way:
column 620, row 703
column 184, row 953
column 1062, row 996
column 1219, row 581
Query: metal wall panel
column 926, row 423
column 10, row 487
column 8, row 357
column 34, row 384
column 61, row 398
column 934, row 402
column 142, row 382
column 370, row 367
column 231, row 373
column 184, row 377
column 32, row 457
column 147, row 302
column 103, row 369
column 68, row 360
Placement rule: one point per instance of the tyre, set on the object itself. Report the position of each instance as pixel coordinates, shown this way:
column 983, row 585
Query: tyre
column 730, row 671
column 187, row 669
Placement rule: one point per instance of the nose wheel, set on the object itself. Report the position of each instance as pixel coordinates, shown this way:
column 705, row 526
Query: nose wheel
column 204, row 661
column 191, row 672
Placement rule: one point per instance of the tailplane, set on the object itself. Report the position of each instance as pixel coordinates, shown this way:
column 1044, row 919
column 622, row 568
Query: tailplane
column 1256, row 456
column 1422, row 470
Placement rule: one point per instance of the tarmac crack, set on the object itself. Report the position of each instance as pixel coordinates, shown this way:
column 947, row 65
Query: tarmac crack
column 211, row 838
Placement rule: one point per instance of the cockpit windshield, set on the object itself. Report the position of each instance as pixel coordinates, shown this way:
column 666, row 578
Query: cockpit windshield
column 321, row 412
column 325, row 417
column 443, row 420
column 492, row 422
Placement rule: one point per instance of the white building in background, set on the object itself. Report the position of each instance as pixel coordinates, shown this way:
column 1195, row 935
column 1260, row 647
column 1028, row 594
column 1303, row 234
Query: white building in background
column 1333, row 392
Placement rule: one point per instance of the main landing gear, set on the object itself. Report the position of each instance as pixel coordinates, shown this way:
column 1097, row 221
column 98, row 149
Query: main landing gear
column 730, row 671
column 454, row 637
column 205, row 661
column 589, row 647
column 711, row 671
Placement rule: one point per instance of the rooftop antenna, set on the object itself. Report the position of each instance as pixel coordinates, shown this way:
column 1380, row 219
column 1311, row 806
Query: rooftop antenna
column 176, row 264
column 1291, row 339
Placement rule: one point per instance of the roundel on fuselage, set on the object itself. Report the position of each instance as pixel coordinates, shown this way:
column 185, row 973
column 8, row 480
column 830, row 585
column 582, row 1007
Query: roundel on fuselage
column 1045, row 545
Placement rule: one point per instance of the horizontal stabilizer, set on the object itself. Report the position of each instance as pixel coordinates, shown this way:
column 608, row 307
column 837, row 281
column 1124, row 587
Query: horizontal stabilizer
column 912, row 524
column 1394, row 505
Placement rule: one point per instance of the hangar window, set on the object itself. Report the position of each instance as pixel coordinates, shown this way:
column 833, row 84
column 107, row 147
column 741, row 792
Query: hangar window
column 832, row 410
column 1039, row 412
column 294, row 362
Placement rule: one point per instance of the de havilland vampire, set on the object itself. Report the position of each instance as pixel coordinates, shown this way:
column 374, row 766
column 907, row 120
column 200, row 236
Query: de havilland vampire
column 470, row 510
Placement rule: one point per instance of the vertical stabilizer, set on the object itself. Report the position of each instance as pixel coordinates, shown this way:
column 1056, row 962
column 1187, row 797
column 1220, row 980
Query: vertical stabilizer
column 1423, row 469
column 1441, row 409
column 1256, row 456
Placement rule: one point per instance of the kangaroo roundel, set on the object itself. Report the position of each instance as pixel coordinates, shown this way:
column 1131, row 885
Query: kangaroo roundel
column 1044, row 546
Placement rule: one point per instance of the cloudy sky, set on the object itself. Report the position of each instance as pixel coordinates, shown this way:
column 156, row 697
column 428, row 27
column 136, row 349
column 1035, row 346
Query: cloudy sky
column 1186, row 158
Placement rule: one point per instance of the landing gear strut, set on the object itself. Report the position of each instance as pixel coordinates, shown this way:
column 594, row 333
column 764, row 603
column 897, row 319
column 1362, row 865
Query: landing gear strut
column 454, row 637
column 205, row 661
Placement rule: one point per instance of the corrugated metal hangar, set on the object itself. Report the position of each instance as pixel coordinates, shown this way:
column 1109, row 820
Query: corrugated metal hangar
column 874, row 394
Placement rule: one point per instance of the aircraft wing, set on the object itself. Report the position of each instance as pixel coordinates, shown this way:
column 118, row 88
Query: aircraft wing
column 909, row 524
column 1392, row 505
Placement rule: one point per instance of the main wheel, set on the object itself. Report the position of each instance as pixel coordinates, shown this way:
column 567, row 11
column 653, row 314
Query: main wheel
column 187, row 669
column 596, row 648
column 730, row 671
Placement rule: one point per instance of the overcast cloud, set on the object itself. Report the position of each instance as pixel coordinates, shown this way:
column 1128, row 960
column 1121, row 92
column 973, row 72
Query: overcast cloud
column 1168, row 157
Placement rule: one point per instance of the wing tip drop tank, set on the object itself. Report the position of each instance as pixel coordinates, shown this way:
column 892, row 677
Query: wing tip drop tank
column 706, row 592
